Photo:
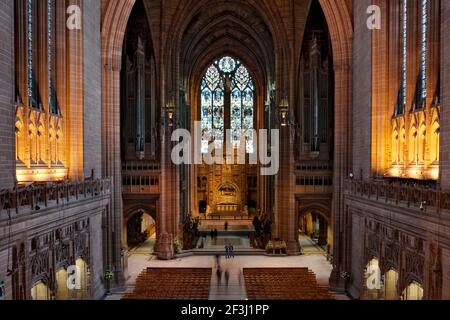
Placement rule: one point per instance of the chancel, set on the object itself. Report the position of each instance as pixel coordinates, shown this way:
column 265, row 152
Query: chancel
column 224, row 150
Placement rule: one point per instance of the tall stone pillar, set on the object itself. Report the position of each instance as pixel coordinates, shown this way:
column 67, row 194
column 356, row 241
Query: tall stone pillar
column 7, row 143
column 445, row 94
column 285, row 193
column 341, row 171
column 75, row 100
column 170, row 191
column 112, row 168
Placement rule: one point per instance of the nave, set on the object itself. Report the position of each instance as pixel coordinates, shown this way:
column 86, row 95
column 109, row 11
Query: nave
column 313, row 276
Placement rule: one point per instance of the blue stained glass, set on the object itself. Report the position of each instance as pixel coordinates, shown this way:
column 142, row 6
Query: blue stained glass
column 227, row 64
column 30, row 50
column 50, row 55
column 424, row 45
column 404, row 54
column 213, row 103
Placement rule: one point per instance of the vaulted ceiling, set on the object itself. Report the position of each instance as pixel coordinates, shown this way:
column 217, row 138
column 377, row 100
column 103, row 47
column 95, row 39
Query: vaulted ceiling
column 227, row 27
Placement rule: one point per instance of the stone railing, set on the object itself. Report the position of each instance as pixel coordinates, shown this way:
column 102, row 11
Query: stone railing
column 426, row 199
column 141, row 183
column 39, row 196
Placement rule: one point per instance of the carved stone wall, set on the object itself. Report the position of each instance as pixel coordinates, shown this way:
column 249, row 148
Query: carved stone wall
column 34, row 247
column 406, row 241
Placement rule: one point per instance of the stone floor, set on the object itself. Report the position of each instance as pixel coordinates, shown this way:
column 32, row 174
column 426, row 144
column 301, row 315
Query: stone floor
column 146, row 248
column 237, row 241
column 309, row 247
column 314, row 258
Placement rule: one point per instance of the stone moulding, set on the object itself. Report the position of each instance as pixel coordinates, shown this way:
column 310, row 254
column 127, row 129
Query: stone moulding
column 425, row 199
column 41, row 196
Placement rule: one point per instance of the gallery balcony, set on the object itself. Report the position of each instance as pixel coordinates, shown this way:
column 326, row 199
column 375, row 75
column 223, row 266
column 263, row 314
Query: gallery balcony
column 37, row 197
column 140, row 184
column 422, row 199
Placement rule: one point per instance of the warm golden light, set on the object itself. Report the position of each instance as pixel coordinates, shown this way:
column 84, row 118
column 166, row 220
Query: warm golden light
column 40, row 174
column 414, row 151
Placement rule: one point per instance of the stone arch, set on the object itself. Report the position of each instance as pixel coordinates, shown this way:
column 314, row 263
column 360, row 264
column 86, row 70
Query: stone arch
column 218, row 53
column 338, row 17
column 320, row 209
column 131, row 210
column 263, row 9
column 61, row 283
column 40, row 290
column 115, row 15
column 391, row 284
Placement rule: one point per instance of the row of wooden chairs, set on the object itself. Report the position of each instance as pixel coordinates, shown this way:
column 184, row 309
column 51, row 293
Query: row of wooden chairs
column 283, row 284
column 172, row 284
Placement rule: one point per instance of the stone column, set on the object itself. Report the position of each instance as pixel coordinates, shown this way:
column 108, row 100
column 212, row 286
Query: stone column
column 7, row 111
column 285, row 196
column 341, row 171
column 75, row 99
column 445, row 98
column 112, row 167
column 170, row 192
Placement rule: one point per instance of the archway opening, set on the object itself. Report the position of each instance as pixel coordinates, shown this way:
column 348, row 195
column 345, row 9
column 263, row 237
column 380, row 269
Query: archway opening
column 227, row 108
column 315, row 143
column 61, row 282
column 140, row 139
column 40, row 292
column 315, row 235
column 373, row 281
column 337, row 40
column 141, row 231
column 390, row 285
column 413, row 292
column 81, row 292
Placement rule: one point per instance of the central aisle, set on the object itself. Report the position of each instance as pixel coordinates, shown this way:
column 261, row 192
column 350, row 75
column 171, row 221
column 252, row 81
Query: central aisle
column 236, row 288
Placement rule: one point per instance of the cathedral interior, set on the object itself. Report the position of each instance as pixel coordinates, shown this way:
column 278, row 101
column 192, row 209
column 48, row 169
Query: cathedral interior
column 345, row 97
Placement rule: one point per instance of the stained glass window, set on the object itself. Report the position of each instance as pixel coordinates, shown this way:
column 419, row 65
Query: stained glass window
column 424, row 44
column 213, row 107
column 51, row 56
column 30, row 84
column 213, row 100
column 404, row 55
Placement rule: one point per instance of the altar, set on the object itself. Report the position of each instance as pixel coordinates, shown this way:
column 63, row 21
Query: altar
column 227, row 208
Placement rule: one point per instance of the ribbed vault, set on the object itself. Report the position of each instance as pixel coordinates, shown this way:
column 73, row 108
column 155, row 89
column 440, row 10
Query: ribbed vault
column 218, row 28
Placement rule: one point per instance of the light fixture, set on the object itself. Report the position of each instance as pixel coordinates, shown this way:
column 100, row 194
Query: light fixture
column 284, row 112
column 423, row 205
column 170, row 112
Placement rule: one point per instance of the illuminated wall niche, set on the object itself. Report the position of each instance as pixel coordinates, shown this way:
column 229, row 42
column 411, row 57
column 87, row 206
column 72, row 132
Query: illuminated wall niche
column 415, row 125
column 39, row 125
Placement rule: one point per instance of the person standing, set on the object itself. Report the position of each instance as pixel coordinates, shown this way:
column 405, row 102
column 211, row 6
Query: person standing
column 219, row 276
column 227, row 251
column 217, row 261
column 240, row 277
column 231, row 249
column 227, row 277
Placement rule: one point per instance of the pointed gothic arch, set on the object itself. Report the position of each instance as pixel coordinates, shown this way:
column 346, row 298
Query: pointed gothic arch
column 115, row 15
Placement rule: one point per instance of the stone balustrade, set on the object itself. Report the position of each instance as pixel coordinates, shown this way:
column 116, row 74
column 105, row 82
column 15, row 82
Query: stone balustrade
column 426, row 199
column 39, row 196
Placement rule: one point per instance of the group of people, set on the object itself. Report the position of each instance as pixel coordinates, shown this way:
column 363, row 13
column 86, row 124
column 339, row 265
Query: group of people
column 229, row 249
column 226, row 275
column 214, row 234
